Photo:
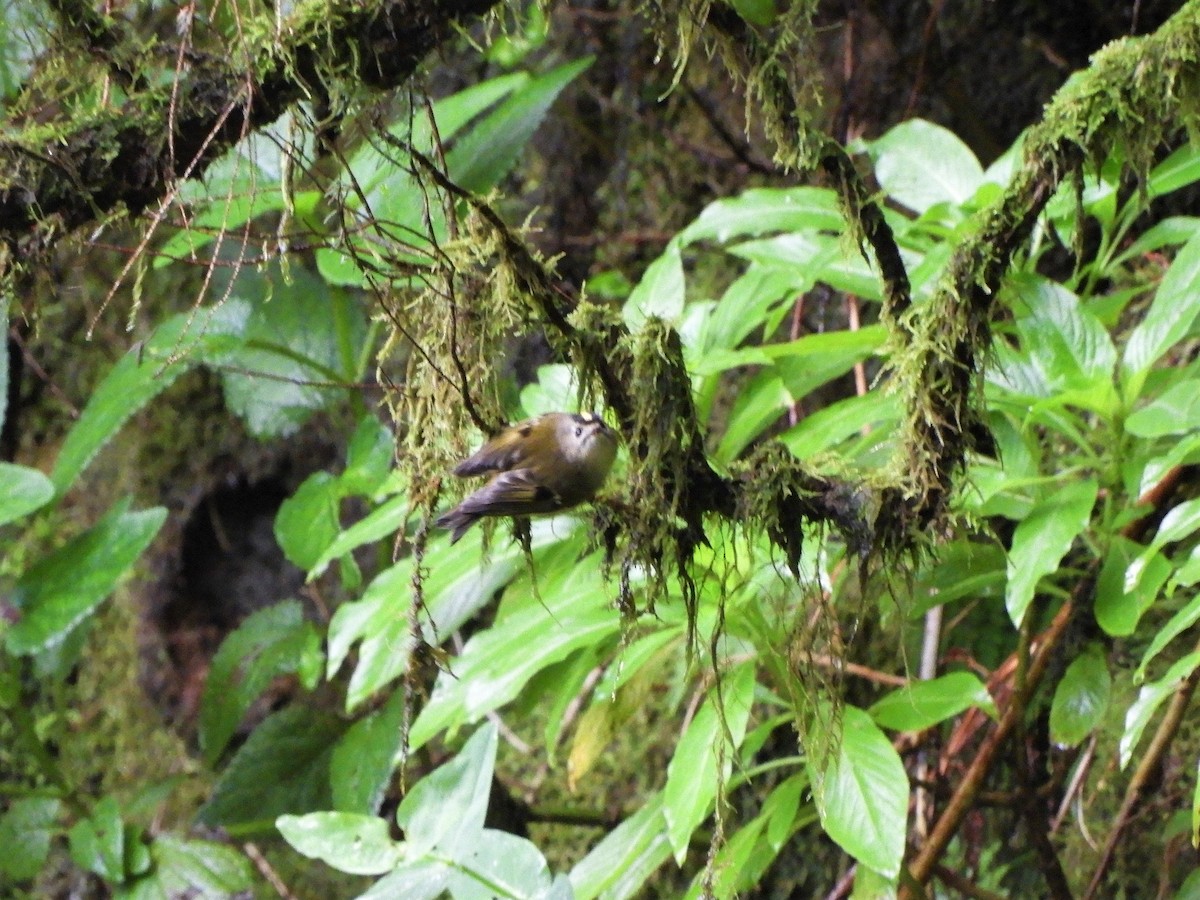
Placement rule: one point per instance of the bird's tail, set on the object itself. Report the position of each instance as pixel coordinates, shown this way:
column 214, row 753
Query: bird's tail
column 458, row 521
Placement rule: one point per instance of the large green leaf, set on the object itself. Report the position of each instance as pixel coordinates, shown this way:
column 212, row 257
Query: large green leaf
column 483, row 156
column 762, row 210
column 861, row 792
column 1149, row 699
column 294, row 353
column 921, row 164
column 660, row 293
column 61, row 590
column 365, row 757
column 189, row 868
column 26, row 827
column 446, row 808
column 349, row 842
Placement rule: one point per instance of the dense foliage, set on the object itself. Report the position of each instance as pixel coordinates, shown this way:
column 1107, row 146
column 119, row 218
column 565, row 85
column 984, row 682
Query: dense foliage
column 726, row 695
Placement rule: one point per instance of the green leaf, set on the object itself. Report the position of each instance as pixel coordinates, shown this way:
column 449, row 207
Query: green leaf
column 1168, row 319
column 660, row 293
column 922, row 704
column 861, row 792
column 1178, row 170
column 140, row 375
column 189, row 868
column 762, row 210
column 26, row 828
column 291, row 362
column 446, row 808
column 528, row 636
column 22, row 490
column 832, row 424
column 97, row 843
column 385, row 519
column 749, row 852
column 1149, row 698
column 626, row 857
column 1081, row 698
column 282, row 768
column 1042, row 539
column 307, row 522
column 485, row 155
column 813, row 360
column 758, row 406
column 693, row 772
column 422, row 879
column 1175, row 411
column 818, row 257
column 497, row 864
column 61, row 590
column 1069, row 347
column 456, row 587
column 756, row 12
column 271, row 642
column 1129, row 582
column 921, row 164
column 369, row 458
column 365, row 757
column 1180, row 622
column 349, row 842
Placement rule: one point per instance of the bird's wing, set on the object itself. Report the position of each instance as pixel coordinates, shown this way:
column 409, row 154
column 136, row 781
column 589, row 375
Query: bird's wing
column 502, row 452
column 512, row 493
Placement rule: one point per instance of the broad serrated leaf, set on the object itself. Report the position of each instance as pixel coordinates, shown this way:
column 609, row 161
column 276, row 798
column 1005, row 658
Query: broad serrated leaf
column 282, row 768
column 485, row 155
column 365, row 757
column 138, row 377
column 271, row 642
column 61, row 590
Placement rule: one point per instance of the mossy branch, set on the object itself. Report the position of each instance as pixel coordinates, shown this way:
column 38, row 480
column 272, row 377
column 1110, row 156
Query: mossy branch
column 1137, row 92
column 58, row 177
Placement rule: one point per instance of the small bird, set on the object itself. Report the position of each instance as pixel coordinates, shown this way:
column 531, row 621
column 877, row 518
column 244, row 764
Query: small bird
column 545, row 464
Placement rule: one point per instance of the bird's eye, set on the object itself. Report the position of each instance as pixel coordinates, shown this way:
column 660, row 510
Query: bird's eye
column 578, row 430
